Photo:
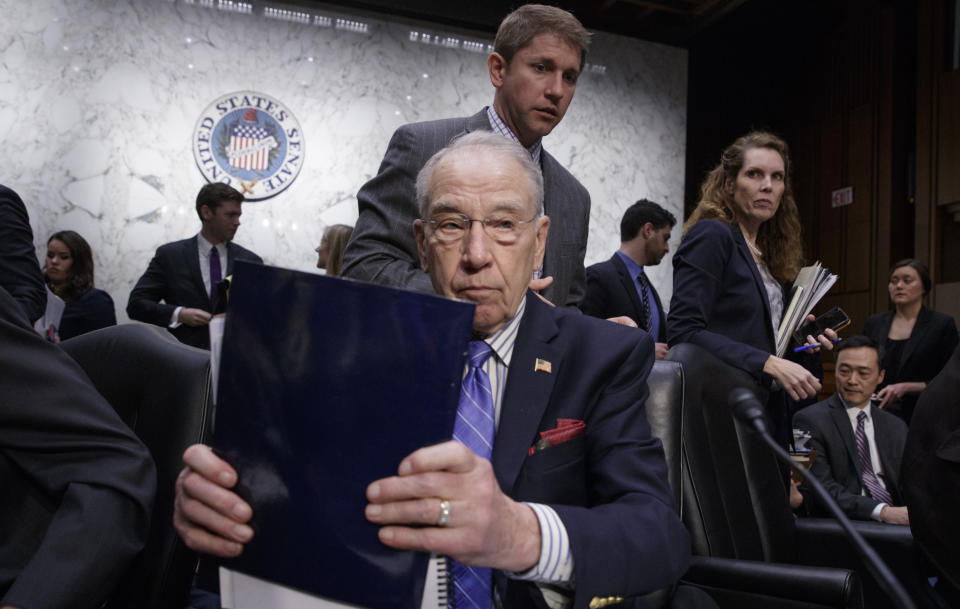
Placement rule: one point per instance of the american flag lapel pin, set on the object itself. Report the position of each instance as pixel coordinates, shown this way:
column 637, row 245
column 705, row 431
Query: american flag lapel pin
column 542, row 365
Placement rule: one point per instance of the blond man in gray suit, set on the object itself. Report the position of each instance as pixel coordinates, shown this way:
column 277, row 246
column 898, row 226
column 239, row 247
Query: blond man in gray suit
column 538, row 55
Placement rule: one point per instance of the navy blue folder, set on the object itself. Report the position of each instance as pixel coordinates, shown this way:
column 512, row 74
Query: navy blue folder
column 326, row 385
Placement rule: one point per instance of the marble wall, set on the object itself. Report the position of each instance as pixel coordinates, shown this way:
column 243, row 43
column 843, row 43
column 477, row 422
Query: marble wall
column 98, row 100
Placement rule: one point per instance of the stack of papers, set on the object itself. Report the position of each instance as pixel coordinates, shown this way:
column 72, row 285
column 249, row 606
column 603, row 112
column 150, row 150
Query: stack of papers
column 812, row 284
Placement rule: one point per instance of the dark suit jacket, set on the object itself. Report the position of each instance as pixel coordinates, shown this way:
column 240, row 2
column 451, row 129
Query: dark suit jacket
column 609, row 486
column 382, row 248
column 612, row 292
column 930, row 472
column 837, row 466
column 19, row 271
column 719, row 301
column 77, row 486
column 173, row 280
column 91, row 311
column 932, row 341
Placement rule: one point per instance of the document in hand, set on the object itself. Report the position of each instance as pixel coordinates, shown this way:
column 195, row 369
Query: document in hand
column 812, row 284
column 325, row 385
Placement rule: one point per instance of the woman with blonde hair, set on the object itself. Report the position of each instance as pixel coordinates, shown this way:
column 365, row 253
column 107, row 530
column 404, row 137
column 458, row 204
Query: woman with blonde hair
column 330, row 250
column 741, row 244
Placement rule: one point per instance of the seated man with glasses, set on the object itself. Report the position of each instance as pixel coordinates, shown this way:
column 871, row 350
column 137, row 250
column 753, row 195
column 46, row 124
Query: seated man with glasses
column 553, row 491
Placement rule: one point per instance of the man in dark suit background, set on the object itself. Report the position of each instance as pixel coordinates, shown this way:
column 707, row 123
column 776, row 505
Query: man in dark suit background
column 859, row 446
column 538, row 55
column 19, row 271
column 77, row 485
column 930, row 475
column 619, row 287
column 178, row 289
column 588, row 517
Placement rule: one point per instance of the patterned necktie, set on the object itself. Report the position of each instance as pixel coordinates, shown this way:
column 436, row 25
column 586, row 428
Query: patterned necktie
column 474, row 428
column 870, row 480
column 215, row 276
column 644, row 299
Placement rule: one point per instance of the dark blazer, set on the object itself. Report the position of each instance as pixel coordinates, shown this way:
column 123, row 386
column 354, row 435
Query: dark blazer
column 930, row 477
column 931, row 343
column 612, row 292
column 77, row 486
column 719, row 301
column 91, row 311
column 837, row 466
column 173, row 280
column 609, row 486
column 19, row 271
column 382, row 248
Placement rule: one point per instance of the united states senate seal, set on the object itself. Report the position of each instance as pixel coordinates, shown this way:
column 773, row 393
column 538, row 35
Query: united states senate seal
column 250, row 141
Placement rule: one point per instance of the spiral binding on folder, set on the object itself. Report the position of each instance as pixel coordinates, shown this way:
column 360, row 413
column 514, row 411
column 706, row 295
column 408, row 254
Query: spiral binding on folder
column 444, row 584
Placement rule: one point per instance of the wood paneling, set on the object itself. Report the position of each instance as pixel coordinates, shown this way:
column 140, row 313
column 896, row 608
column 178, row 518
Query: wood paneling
column 938, row 156
column 948, row 145
column 861, row 174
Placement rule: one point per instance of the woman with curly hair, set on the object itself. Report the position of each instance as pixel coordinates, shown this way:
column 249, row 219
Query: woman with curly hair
column 740, row 246
column 69, row 274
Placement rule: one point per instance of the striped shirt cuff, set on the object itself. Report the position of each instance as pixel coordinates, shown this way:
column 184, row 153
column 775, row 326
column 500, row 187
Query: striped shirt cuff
column 556, row 559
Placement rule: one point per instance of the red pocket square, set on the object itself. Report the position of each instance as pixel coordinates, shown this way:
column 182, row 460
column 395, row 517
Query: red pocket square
column 566, row 430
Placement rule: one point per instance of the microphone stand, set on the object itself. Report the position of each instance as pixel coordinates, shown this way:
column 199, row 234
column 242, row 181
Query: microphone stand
column 747, row 408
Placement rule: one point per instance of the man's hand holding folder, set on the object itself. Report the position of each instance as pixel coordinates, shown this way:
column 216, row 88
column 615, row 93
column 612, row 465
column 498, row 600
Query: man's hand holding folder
column 485, row 527
column 203, row 498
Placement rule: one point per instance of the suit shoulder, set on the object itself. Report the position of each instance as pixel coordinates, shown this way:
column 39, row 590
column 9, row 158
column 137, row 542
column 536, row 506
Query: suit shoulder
column 603, row 267
column 706, row 238
column 814, row 413
column 942, row 319
column 243, row 253
column 891, row 420
column 717, row 229
column 592, row 334
column 562, row 174
column 99, row 296
column 443, row 125
column 176, row 246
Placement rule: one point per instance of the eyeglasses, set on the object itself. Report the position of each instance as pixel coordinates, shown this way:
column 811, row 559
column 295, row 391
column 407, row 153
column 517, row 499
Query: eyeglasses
column 503, row 227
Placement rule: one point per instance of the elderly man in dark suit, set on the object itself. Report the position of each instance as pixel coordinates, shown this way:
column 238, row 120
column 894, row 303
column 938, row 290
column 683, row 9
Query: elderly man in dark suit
column 77, row 485
column 179, row 288
column 538, row 55
column 619, row 287
column 859, row 446
column 542, row 524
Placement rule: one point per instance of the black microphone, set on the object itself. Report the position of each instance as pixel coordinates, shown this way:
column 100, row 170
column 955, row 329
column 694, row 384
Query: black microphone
column 748, row 409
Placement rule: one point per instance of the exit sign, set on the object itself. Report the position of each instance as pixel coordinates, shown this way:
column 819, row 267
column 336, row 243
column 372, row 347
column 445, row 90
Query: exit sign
column 841, row 197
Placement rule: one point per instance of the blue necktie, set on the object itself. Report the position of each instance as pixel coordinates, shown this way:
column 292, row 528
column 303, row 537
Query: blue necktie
column 215, row 276
column 644, row 301
column 475, row 429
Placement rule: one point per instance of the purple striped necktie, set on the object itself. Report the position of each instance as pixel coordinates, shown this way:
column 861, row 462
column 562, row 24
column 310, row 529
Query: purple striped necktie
column 475, row 429
column 870, row 480
column 215, row 276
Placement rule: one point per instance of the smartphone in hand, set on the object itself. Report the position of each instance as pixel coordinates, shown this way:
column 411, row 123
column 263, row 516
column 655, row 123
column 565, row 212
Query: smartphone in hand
column 835, row 319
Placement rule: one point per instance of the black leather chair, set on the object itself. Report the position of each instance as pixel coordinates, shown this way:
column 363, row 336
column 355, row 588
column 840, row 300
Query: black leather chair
column 743, row 557
column 734, row 498
column 161, row 389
